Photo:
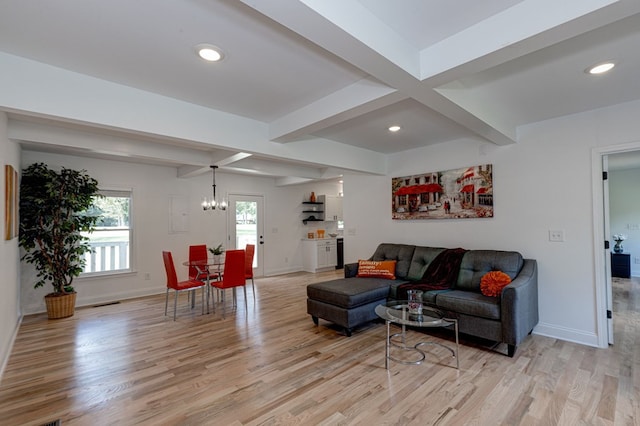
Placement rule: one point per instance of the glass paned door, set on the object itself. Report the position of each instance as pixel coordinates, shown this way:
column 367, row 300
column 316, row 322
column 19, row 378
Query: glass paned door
column 246, row 226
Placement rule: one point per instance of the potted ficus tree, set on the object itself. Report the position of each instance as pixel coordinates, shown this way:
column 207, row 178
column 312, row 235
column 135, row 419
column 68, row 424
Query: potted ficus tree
column 53, row 208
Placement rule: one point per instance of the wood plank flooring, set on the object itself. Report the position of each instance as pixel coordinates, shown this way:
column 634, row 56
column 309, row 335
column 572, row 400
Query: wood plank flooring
column 128, row 364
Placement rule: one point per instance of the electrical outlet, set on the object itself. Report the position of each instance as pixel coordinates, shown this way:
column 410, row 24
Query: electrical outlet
column 147, row 276
column 286, row 260
column 636, row 260
column 556, row 236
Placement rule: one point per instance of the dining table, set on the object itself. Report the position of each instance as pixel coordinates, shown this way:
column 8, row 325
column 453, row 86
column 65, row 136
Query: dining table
column 205, row 269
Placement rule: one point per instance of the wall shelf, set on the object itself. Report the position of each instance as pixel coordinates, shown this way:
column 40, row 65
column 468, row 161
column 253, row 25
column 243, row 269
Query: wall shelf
column 311, row 220
column 312, row 215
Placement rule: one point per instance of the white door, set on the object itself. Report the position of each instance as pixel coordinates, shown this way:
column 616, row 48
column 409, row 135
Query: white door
column 607, row 251
column 246, row 226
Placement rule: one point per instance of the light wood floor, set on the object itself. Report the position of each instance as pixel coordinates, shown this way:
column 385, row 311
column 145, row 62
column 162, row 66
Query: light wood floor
column 127, row 364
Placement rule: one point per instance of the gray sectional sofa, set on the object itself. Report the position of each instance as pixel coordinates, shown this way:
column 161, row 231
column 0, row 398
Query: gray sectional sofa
column 509, row 318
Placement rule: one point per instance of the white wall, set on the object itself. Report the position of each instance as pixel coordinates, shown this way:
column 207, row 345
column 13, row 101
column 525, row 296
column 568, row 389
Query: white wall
column 10, row 313
column 542, row 183
column 152, row 188
column 624, row 207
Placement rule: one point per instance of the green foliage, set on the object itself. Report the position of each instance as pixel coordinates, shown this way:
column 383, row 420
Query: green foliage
column 53, row 213
column 246, row 208
column 217, row 251
column 113, row 211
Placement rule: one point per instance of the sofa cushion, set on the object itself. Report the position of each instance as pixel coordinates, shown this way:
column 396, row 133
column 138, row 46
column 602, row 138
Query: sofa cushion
column 493, row 282
column 476, row 263
column 400, row 252
column 377, row 269
column 469, row 303
column 351, row 292
column 422, row 257
column 427, row 296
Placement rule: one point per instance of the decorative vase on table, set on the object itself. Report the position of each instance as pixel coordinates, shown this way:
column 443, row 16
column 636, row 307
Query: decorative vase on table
column 414, row 304
column 618, row 238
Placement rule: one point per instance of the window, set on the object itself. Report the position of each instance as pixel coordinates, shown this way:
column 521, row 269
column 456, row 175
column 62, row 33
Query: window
column 111, row 240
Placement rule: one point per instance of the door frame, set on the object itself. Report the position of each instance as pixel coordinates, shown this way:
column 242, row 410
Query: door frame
column 607, row 256
column 232, row 197
column 599, row 234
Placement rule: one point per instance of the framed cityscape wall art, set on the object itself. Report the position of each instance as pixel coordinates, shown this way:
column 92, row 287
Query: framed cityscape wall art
column 451, row 194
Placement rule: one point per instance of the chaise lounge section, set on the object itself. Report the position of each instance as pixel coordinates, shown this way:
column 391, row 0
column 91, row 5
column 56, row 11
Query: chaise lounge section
column 350, row 301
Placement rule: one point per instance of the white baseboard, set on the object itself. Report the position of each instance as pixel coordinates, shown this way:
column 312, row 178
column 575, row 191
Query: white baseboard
column 566, row 334
column 9, row 347
column 109, row 298
column 104, row 298
column 282, row 271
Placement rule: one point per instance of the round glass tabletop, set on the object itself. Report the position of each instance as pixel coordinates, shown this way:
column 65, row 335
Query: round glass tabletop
column 424, row 315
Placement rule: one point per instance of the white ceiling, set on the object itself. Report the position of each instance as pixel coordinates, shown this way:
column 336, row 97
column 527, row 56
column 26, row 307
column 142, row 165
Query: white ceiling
column 335, row 72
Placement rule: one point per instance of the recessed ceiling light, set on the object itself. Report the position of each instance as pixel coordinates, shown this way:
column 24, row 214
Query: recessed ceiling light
column 394, row 128
column 209, row 52
column 601, row 68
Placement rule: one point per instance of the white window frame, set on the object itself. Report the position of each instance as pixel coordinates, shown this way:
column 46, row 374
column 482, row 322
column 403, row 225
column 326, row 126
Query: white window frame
column 118, row 193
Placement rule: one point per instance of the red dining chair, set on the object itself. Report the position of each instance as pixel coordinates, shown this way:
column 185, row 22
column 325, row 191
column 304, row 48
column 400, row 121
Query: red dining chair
column 178, row 286
column 232, row 277
column 199, row 252
column 248, row 266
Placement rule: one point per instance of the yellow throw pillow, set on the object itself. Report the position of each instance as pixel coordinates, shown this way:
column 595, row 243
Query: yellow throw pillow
column 377, row 269
column 492, row 283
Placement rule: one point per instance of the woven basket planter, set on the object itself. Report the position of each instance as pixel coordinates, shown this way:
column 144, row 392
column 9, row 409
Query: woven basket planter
column 60, row 306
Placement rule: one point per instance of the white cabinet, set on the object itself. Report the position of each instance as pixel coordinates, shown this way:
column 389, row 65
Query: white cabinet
column 327, row 254
column 332, row 207
column 319, row 255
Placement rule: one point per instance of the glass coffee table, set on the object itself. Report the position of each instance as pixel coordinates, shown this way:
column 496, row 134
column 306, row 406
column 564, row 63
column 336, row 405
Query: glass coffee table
column 423, row 316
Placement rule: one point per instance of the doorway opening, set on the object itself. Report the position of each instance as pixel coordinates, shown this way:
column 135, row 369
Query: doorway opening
column 602, row 235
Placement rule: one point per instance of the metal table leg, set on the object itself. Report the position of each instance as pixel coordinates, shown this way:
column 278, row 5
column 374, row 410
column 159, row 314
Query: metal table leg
column 386, row 347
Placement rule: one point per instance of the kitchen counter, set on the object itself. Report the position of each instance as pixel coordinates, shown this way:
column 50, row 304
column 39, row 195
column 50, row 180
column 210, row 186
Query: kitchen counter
column 321, row 239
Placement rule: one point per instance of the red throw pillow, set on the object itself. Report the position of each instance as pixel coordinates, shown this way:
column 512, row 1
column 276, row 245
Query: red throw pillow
column 493, row 282
column 377, row 269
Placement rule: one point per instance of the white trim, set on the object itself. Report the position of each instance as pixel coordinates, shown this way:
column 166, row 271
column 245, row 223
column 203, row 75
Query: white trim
column 120, row 193
column 599, row 237
column 84, row 302
column 9, row 347
column 567, row 334
column 281, row 271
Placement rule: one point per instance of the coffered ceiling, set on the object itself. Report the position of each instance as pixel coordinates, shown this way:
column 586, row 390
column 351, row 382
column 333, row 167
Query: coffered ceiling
column 328, row 74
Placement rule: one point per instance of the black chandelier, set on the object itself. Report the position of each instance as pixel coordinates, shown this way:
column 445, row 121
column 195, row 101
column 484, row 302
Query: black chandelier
column 214, row 203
